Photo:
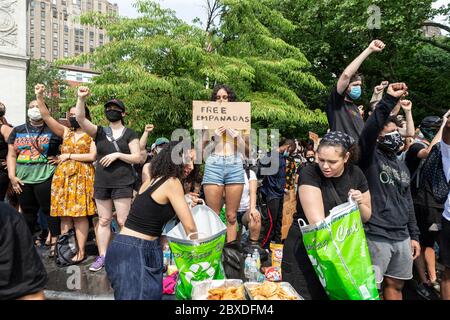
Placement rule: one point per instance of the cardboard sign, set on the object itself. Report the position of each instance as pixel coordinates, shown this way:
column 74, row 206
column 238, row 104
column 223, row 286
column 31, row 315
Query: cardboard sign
column 212, row 115
column 315, row 138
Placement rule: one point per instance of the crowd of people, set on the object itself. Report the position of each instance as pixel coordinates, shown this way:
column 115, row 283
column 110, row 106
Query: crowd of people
column 74, row 174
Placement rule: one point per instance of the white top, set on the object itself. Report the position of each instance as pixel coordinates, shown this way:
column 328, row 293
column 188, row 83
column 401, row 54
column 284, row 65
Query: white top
column 445, row 150
column 245, row 199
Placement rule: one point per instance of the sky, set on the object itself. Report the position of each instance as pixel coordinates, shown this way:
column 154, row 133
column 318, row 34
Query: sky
column 188, row 10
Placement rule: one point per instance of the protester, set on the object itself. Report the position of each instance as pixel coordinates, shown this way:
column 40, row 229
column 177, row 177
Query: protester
column 224, row 173
column 134, row 261
column 117, row 149
column 444, row 248
column 30, row 170
column 22, row 274
column 5, row 131
column 155, row 149
column 73, row 182
column 342, row 112
column 247, row 213
column 334, row 173
column 392, row 232
column 273, row 186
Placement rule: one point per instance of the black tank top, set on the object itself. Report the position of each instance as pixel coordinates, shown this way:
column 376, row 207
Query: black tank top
column 3, row 145
column 146, row 215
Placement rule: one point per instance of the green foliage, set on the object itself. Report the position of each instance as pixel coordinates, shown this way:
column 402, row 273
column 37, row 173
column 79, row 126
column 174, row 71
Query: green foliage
column 157, row 65
column 40, row 71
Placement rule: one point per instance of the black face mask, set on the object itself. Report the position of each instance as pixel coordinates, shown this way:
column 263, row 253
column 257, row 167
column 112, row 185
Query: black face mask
column 113, row 115
column 74, row 123
column 311, row 159
column 2, row 112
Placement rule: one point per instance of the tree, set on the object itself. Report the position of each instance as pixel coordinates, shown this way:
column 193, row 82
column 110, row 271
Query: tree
column 158, row 64
column 332, row 33
column 41, row 71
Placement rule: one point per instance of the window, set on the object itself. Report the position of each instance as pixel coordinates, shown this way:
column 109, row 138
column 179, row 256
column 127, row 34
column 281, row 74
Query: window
column 31, row 12
column 100, row 7
column 64, row 2
column 55, row 26
column 55, row 43
column 31, row 22
column 43, row 33
column 43, row 14
column 54, row 13
column 54, row 2
column 81, row 48
column 91, row 43
column 91, row 49
column 76, row 47
column 55, row 52
column 43, row 50
column 32, row 40
column 91, row 34
column 43, row 27
column 42, row 5
column 66, row 54
column 66, row 44
column 43, row 41
column 66, row 29
column 79, row 77
column 55, row 34
column 32, row 3
column 42, row 23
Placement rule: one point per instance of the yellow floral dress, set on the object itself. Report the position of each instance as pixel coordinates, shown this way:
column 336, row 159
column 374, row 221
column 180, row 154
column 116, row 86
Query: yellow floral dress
column 73, row 181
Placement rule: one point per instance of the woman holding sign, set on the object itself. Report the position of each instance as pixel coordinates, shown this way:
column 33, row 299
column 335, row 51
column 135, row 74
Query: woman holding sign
column 321, row 187
column 224, row 172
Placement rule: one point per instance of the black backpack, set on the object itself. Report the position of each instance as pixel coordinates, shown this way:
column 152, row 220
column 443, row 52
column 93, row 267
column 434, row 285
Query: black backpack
column 66, row 249
column 433, row 173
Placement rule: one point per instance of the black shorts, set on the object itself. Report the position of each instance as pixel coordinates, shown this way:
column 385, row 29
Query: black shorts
column 444, row 248
column 425, row 217
column 113, row 193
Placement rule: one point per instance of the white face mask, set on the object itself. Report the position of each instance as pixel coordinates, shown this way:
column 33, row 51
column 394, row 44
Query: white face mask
column 34, row 114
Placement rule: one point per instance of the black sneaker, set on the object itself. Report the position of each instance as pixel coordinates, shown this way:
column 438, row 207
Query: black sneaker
column 424, row 291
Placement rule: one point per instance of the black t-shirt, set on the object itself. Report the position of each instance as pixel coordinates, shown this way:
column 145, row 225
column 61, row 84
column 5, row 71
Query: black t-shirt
column 3, row 146
column 119, row 173
column 21, row 269
column 413, row 162
column 344, row 116
column 311, row 175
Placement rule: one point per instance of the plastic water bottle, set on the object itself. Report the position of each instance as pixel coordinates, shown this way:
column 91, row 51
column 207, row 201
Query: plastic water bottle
column 248, row 266
column 253, row 270
column 166, row 257
column 257, row 259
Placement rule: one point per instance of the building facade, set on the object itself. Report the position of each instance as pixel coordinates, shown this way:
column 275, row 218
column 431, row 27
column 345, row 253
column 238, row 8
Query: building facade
column 55, row 31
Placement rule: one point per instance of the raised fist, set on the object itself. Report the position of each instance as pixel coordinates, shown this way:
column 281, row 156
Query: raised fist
column 149, row 128
column 376, row 46
column 83, row 92
column 39, row 90
column 398, row 90
column 406, row 105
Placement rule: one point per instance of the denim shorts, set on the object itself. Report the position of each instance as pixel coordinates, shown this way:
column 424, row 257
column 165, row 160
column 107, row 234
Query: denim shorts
column 223, row 170
column 135, row 268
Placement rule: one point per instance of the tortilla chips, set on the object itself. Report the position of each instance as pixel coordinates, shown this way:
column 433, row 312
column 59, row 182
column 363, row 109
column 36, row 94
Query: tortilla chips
column 270, row 291
column 231, row 293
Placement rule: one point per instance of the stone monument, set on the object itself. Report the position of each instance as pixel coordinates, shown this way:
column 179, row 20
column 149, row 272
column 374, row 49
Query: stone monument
column 13, row 58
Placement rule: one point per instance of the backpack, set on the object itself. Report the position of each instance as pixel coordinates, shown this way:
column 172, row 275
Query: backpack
column 433, row 173
column 66, row 249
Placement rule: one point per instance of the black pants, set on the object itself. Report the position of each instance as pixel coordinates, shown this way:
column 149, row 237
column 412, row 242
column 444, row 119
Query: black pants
column 276, row 212
column 4, row 182
column 296, row 268
column 33, row 197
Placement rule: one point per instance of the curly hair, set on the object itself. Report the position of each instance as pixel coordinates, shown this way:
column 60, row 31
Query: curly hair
column 163, row 166
column 231, row 94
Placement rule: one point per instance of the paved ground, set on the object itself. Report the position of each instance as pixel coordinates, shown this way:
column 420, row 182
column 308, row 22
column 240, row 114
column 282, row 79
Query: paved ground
column 63, row 285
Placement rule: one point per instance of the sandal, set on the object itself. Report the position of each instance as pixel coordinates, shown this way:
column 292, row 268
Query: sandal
column 52, row 252
column 74, row 262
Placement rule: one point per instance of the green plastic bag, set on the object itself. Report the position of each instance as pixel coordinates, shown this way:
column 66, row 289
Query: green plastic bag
column 198, row 260
column 338, row 251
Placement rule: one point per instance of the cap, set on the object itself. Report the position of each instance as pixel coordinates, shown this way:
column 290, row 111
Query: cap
column 153, row 146
column 116, row 102
column 431, row 122
column 161, row 141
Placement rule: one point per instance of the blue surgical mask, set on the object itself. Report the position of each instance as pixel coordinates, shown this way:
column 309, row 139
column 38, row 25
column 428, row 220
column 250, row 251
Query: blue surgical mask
column 285, row 154
column 355, row 93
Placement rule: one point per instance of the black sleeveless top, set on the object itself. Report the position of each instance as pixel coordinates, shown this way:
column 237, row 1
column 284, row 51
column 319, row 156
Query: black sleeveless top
column 3, row 145
column 146, row 215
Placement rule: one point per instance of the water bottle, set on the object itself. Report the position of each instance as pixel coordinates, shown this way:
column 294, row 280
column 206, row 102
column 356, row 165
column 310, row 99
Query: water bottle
column 248, row 266
column 166, row 257
column 257, row 259
column 253, row 270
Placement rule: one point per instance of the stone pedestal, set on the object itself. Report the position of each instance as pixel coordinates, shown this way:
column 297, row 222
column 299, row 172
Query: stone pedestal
column 13, row 58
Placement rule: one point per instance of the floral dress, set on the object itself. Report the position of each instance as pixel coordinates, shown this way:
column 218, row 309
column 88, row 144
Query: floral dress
column 73, row 182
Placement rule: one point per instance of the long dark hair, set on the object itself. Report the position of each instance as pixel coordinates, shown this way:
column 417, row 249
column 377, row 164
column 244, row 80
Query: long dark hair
column 163, row 166
column 231, row 94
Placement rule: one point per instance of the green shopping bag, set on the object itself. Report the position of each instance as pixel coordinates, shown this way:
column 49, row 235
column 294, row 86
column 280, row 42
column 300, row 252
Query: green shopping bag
column 198, row 260
column 338, row 251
